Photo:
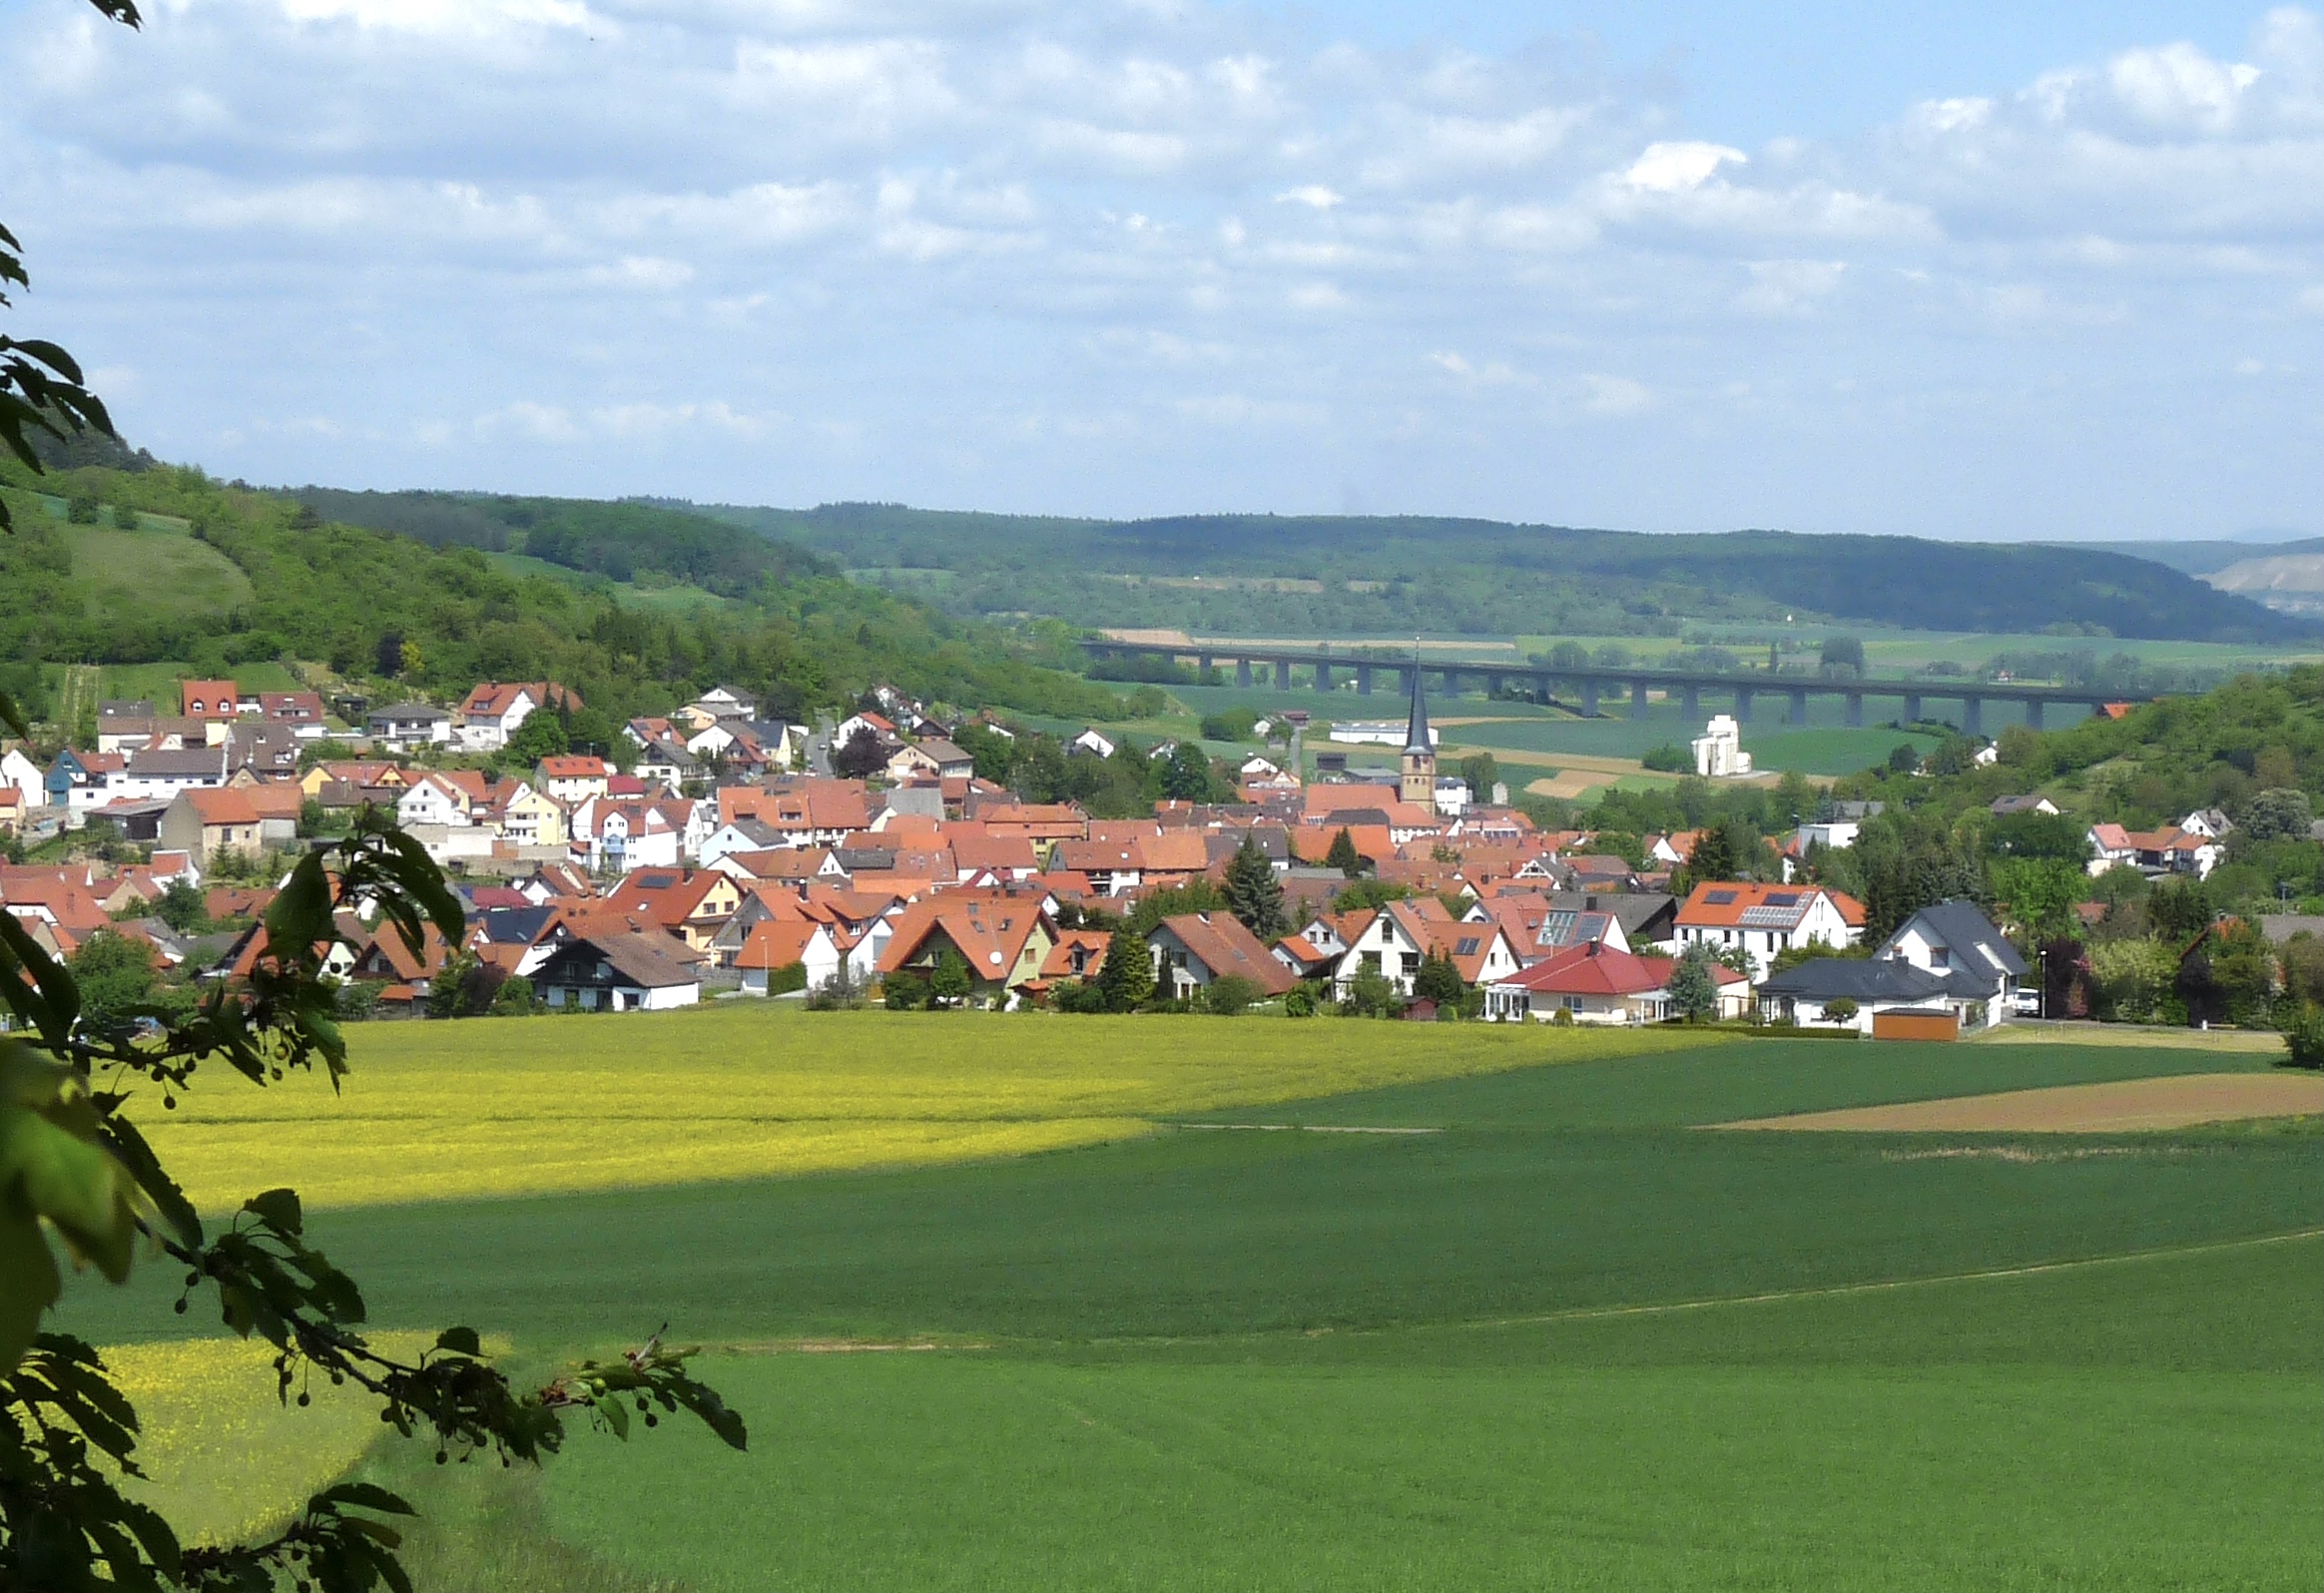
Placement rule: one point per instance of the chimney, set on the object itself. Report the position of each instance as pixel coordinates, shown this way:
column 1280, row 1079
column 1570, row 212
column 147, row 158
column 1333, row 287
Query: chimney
column 1590, row 903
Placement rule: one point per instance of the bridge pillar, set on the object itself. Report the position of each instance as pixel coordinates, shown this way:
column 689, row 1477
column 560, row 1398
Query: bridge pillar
column 1589, row 706
column 1742, row 704
column 1363, row 680
column 1495, row 685
column 1799, row 706
column 1202, row 667
column 1243, row 673
column 1911, row 707
column 1282, row 675
column 1323, row 676
column 2034, row 713
column 1855, row 714
column 1638, row 698
column 1691, row 702
column 1541, row 692
column 1973, row 716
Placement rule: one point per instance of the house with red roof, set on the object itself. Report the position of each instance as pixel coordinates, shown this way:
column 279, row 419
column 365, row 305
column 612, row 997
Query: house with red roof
column 778, row 943
column 204, row 823
column 1596, row 981
column 492, row 711
column 1763, row 920
column 1005, row 940
column 1193, row 952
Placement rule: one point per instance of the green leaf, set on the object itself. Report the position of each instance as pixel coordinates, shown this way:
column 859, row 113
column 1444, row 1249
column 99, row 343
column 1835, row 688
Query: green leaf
column 53, row 1167
column 130, row 1146
column 610, row 1406
column 301, row 913
column 29, row 1283
column 279, row 1207
column 460, row 1341
column 364, row 1496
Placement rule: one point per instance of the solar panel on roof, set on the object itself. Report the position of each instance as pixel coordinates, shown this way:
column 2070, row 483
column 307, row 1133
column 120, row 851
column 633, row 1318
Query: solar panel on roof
column 1719, row 898
column 1783, row 898
column 1467, row 946
column 1767, row 917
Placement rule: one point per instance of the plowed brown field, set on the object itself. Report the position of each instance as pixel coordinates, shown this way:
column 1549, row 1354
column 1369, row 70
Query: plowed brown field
column 2129, row 1105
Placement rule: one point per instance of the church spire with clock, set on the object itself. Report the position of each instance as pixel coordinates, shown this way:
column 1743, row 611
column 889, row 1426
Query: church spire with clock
column 1417, row 779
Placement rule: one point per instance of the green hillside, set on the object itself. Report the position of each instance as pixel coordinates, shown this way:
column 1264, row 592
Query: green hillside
column 637, row 608
column 1334, row 573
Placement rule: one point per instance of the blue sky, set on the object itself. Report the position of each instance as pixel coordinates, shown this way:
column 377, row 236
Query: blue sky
column 2016, row 272
column 1815, row 67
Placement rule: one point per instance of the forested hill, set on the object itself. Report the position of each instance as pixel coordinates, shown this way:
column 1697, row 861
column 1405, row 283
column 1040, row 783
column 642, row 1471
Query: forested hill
column 1328, row 573
column 162, row 564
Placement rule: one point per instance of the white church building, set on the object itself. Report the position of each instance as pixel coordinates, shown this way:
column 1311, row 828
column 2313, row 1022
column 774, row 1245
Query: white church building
column 1718, row 751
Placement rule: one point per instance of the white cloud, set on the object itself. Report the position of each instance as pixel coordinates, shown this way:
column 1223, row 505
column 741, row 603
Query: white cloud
column 1678, row 168
column 1133, row 231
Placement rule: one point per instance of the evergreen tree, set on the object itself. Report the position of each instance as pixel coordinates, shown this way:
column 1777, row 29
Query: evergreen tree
column 1254, row 894
column 1342, row 856
column 1127, row 974
column 951, row 983
column 1713, row 857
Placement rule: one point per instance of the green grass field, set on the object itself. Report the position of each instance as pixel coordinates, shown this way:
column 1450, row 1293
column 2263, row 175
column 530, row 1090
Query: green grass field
column 1563, row 1338
column 160, row 570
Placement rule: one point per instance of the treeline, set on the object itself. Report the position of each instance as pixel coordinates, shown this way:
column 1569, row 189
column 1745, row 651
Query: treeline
column 1326, row 573
column 382, row 608
column 623, row 541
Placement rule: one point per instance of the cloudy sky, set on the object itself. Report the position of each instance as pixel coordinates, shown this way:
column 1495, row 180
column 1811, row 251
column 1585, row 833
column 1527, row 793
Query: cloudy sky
column 1671, row 265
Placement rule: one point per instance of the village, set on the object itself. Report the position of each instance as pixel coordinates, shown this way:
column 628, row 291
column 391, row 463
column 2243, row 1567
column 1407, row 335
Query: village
column 724, row 857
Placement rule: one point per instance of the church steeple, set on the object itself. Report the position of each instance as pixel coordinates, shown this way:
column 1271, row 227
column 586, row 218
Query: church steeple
column 1417, row 774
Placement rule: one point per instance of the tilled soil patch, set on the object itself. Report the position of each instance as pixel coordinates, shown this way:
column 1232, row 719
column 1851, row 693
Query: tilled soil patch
column 2125, row 1106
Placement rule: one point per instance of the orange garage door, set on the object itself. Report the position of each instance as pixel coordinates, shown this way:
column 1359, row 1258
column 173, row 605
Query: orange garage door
column 1909, row 1025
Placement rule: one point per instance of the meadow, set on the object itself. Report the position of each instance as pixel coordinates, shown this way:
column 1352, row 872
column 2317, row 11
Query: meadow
column 1550, row 1334
column 744, row 1089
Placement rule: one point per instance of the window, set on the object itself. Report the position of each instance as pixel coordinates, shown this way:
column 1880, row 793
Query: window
column 1412, row 962
column 1371, row 961
column 1574, row 1003
column 1939, row 957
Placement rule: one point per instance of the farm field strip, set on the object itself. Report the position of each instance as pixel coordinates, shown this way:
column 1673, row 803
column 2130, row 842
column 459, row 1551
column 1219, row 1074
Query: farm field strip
column 2123, row 1106
column 536, row 1105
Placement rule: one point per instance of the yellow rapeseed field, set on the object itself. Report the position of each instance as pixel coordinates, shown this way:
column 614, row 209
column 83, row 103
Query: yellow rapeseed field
column 225, row 1461
column 530, row 1106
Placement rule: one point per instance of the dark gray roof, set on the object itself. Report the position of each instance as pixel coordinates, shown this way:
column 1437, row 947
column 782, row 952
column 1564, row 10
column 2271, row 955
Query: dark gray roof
column 2281, row 926
column 1963, row 928
column 192, row 764
column 419, row 711
column 1858, row 979
column 633, row 959
column 516, row 926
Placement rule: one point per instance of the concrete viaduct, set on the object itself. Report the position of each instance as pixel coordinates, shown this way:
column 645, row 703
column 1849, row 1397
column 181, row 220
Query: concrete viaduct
column 1254, row 665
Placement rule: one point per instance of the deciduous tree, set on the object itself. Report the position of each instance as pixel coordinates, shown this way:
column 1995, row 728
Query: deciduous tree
column 1694, row 991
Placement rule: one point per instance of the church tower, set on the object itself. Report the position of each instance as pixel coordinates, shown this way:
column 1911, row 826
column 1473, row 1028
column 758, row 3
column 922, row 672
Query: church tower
column 1416, row 784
